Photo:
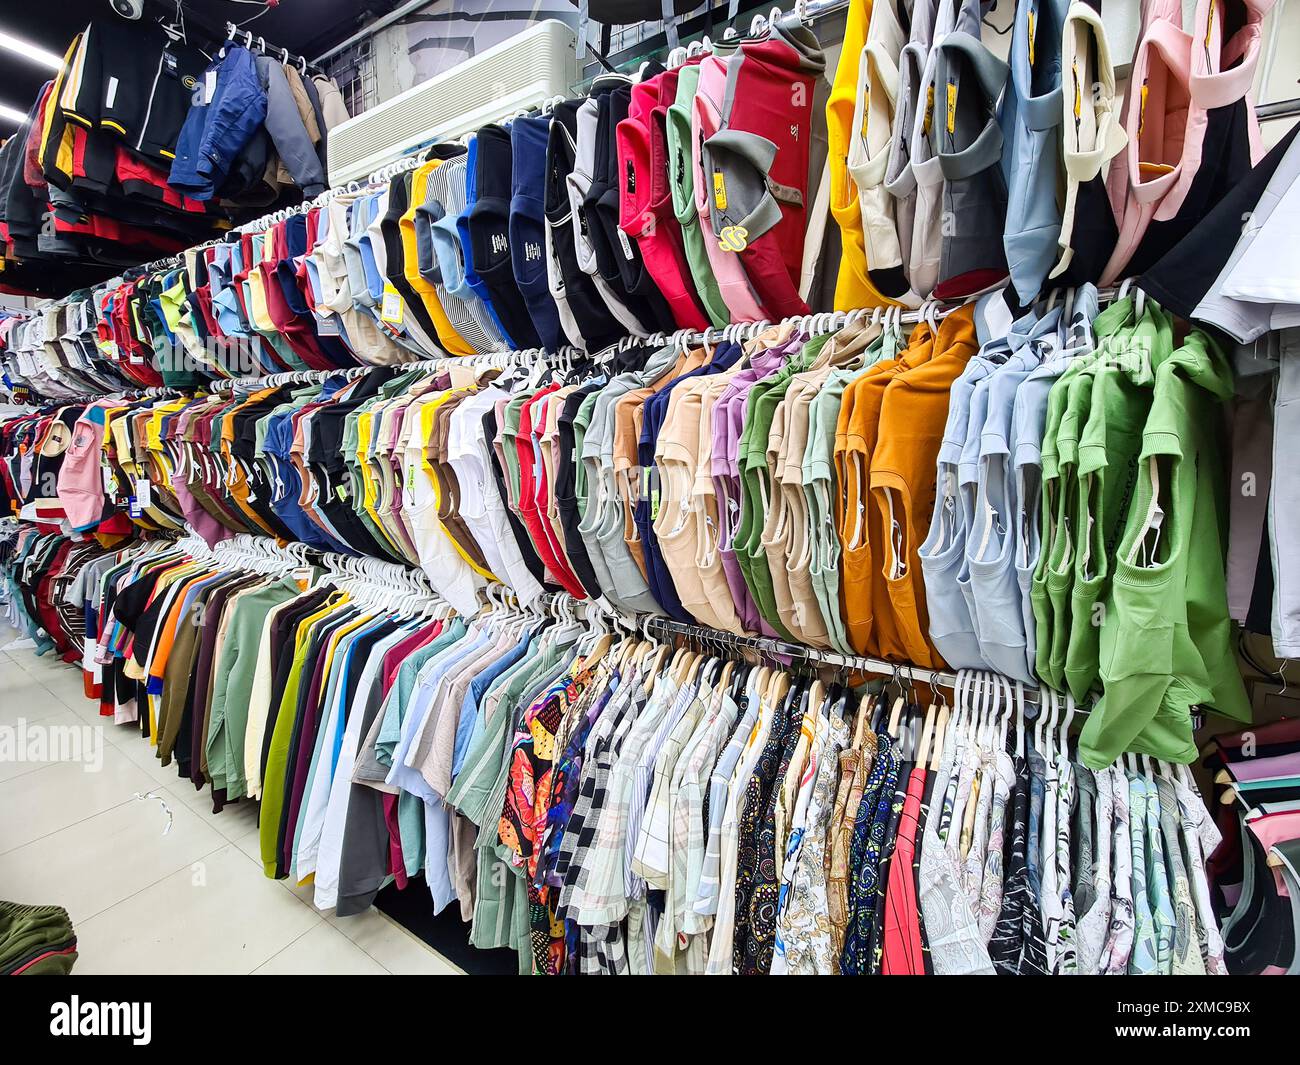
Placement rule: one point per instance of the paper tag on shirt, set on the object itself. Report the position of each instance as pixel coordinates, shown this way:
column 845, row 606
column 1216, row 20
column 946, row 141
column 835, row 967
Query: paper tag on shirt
column 392, row 310
column 143, row 492
column 135, row 507
column 209, row 86
column 719, row 191
column 342, row 492
column 110, row 482
column 627, row 244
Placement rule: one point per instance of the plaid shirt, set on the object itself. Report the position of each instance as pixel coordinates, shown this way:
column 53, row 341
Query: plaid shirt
column 597, row 757
column 715, row 806
column 687, row 837
column 599, row 896
column 652, row 855
column 643, row 778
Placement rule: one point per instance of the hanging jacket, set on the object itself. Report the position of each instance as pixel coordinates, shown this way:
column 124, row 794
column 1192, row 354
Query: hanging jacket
column 230, row 106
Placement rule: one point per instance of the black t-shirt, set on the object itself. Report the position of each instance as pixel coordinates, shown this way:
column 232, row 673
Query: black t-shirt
column 489, row 235
column 1225, row 162
column 399, row 199
column 1183, row 276
column 599, row 328
column 617, row 258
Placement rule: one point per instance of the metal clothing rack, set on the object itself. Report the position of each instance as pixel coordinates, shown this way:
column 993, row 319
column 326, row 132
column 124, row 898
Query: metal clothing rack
column 491, row 360
column 804, row 653
column 813, row 324
column 304, row 65
column 1032, row 694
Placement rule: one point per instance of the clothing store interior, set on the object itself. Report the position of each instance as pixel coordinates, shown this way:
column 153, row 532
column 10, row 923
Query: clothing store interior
column 649, row 487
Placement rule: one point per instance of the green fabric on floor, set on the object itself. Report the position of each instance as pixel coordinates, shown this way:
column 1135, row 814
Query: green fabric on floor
column 36, row 940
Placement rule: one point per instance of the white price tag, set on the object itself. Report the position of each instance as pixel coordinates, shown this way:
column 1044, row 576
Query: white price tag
column 627, row 244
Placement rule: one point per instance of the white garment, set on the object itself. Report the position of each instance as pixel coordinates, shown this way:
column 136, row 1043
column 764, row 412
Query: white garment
column 481, row 507
column 1091, row 131
column 448, row 572
column 956, row 945
column 1093, row 924
column 871, row 139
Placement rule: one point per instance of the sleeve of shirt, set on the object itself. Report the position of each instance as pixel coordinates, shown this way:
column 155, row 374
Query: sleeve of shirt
column 292, row 141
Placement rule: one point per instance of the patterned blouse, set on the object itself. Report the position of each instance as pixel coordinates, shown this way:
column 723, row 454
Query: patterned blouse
column 804, row 940
column 868, row 842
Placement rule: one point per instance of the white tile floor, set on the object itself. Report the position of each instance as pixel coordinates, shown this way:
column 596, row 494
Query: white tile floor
column 190, row 900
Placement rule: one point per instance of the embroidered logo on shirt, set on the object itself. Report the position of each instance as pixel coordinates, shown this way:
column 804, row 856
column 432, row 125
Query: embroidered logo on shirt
column 500, row 244
column 532, row 251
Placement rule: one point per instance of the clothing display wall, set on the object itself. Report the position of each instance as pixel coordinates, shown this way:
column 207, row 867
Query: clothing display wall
column 651, row 809
column 910, row 495
column 743, row 181
column 515, row 523
column 141, row 144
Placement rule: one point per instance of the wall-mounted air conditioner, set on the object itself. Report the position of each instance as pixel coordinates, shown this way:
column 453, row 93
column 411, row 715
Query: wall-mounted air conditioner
column 514, row 75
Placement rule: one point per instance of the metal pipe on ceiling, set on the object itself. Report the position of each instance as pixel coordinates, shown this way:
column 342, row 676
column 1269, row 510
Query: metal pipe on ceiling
column 379, row 24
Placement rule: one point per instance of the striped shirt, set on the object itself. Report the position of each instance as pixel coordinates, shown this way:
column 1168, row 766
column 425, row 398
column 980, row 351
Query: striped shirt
column 650, row 845
column 706, row 900
column 600, row 896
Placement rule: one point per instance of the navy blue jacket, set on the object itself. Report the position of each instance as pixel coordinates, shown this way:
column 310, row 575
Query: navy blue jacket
column 215, row 132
